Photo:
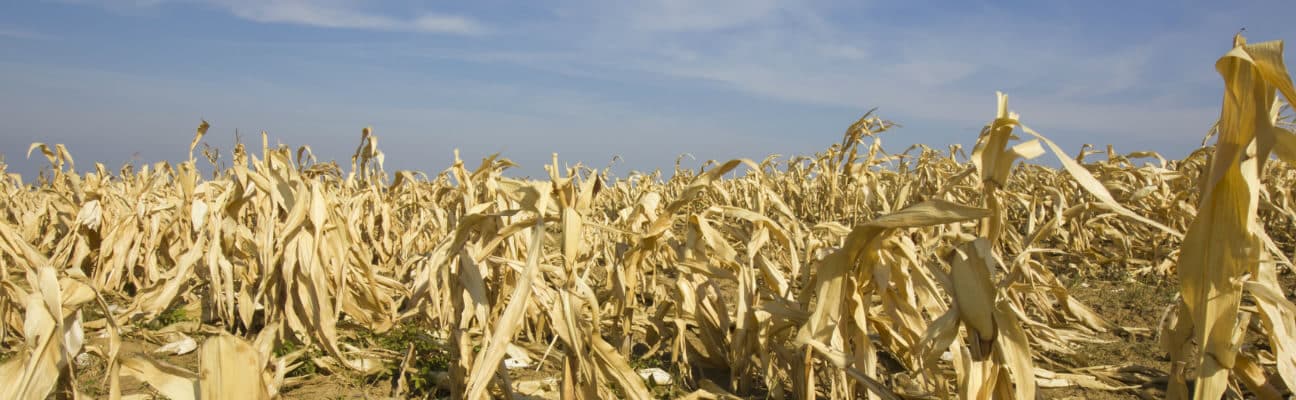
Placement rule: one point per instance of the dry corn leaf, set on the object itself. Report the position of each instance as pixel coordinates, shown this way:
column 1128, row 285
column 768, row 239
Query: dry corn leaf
column 815, row 276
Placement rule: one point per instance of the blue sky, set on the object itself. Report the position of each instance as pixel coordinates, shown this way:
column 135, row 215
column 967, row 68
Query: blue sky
column 646, row 81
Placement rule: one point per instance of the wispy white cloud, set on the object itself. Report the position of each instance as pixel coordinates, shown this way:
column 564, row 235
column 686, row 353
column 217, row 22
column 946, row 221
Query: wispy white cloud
column 843, row 51
column 628, row 69
column 20, row 33
column 335, row 14
column 1066, row 75
column 458, row 114
column 1061, row 77
column 932, row 90
column 319, row 13
column 688, row 15
column 931, row 73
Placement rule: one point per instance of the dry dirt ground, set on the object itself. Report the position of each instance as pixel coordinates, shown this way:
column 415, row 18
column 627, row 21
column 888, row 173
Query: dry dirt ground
column 1125, row 301
column 1138, row 304
column 1128, row 304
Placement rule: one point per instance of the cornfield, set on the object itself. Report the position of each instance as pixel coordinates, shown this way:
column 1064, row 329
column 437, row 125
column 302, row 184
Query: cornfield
column 852, row 273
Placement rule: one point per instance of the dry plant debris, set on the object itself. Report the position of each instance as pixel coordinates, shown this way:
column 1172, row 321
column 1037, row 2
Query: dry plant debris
column 850, row 273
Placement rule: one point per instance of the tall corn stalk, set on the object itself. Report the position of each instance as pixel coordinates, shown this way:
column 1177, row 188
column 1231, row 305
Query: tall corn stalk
column 853, row 272
column 1226, row 252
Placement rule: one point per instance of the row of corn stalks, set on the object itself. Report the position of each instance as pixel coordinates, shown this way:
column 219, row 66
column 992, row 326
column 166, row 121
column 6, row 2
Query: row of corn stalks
column 931, row 273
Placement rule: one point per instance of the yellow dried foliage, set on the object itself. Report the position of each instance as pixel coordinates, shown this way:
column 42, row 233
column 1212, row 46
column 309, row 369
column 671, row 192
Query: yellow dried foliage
column 851, row 273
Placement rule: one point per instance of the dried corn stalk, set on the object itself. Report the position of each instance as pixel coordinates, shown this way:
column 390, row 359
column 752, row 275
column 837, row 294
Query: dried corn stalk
column 1224, row 250
column 853, row 272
